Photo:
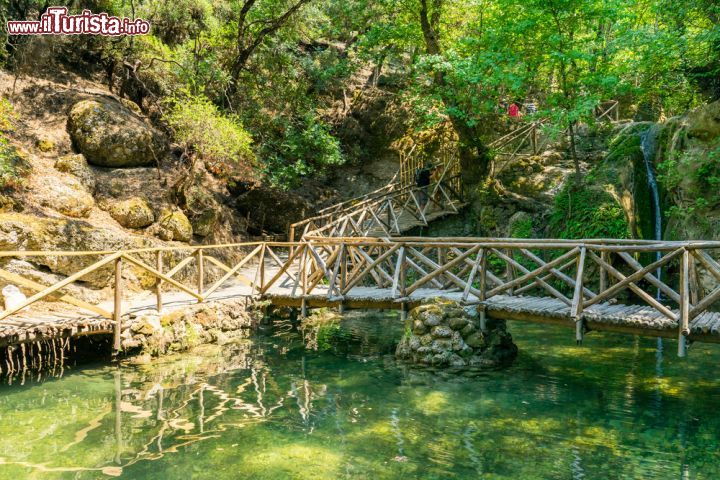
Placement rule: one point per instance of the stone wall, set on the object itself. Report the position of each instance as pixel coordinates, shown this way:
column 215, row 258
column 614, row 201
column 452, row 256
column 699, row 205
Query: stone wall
column 218, row 322
column 443, row 333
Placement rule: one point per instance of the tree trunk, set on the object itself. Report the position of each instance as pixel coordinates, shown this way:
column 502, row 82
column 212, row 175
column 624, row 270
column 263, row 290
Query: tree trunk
column 474, row 154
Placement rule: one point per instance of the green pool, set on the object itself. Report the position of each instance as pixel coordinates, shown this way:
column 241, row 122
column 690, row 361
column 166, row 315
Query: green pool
column 617, row 407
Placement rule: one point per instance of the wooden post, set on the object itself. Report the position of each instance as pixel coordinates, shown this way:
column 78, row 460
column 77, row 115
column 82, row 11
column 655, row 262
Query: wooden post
column 117, row 307
column 577, row 303
column 200, row 272
column 403, row 311
column 261, row 269
column 694, row 283
column 483, row 287
column 603, row 272
column 534, row 139
column 303, row 281
column 509, row 271
column 684, row 314
column 158, row 286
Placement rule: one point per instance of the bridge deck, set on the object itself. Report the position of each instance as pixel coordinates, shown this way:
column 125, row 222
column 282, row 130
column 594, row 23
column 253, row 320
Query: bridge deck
column 633, row 319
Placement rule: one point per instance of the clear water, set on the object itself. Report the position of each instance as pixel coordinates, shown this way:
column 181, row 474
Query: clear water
column 268, row 409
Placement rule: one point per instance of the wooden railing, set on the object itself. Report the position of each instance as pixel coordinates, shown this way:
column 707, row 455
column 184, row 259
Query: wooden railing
column 381, row 214
column 578, row 274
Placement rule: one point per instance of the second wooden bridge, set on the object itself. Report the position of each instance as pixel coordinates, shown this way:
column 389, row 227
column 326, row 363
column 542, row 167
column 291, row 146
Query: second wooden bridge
column 665, row 289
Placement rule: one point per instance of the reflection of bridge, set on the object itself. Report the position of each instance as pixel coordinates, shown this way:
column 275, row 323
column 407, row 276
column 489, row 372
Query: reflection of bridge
column 587, row 285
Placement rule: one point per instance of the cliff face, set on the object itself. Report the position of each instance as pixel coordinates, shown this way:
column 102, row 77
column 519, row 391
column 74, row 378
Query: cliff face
column 688, row 159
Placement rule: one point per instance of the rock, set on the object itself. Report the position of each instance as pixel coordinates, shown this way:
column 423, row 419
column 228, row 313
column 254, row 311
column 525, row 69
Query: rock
column 110, row 135
column 68, row 196
column 203, row 210
column 272, row 209
column 441, row 345
column 445, row 344
column 441, row 331
column 28, row 232
column 476, row 340
column 468, row 329
column 146, row 325
column 33, row 273
column 704, row 122
column 458, row 323
column 78, row 166
column 45, row 145
column 419, row 328
column 432, row 319
column 174, row 225
column 132, row 213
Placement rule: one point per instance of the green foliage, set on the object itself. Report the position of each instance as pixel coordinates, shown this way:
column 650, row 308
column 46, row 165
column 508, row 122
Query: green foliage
column 14, row 167
column 299, row 148
column 219, row 140
column 522, row 228
column 587, row 213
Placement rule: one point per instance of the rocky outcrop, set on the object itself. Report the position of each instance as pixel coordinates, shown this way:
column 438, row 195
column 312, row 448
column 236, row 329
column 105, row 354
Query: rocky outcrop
column 68, row 196
column 219, row 322
column 78, row 166
column 110, row 135
column 444, row 334
column 132, row 213
column 27, row 232
column 272, row 210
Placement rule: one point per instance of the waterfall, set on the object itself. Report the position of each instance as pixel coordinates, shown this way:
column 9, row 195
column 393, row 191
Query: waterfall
column 648, row 140
column 647, row 144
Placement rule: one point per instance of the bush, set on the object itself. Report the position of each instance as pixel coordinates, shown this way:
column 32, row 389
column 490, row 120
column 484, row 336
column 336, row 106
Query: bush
column 14, row 167
column 301, row 148
column 218, row 140
column 587, row 213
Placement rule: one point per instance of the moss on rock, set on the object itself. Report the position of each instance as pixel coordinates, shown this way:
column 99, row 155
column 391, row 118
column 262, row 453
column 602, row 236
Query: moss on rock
column 173, row 225
column 132, row 213
column 110, row 135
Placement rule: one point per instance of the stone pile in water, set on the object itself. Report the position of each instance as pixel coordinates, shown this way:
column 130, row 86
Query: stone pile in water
column 445, row 334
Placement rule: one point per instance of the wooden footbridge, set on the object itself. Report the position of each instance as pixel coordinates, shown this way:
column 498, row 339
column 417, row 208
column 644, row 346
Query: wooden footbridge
column 665, row 289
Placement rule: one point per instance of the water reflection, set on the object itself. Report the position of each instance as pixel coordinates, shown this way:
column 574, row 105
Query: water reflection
column 267, row 408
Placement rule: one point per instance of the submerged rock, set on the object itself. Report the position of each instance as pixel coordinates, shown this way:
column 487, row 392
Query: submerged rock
column 455, row 339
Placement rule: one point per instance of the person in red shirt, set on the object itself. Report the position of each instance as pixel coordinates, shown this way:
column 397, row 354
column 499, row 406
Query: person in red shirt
column 514, row 111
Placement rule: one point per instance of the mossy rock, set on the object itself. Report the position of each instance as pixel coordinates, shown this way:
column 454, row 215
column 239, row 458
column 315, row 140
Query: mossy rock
column 45, row 145
column 77, row 165
column 111, row 135
column 132, row 213
column 174, row 225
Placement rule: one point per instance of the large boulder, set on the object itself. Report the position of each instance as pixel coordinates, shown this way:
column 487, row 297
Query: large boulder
column 68, row 196
column 132, row 213
column 111, row 135
column 78, row 166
